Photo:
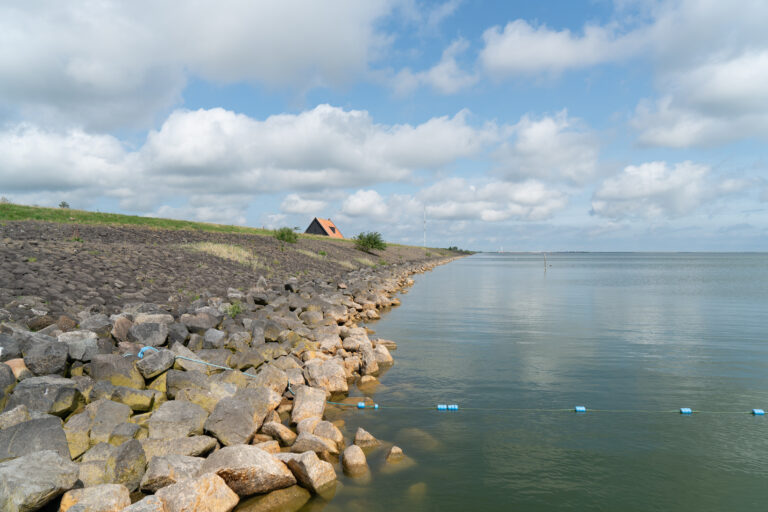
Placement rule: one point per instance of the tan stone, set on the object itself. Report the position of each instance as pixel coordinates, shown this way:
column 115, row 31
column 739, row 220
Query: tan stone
column 206, row 493
column 101, row 498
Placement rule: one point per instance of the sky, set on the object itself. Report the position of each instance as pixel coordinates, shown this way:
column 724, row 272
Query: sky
column 595, row 125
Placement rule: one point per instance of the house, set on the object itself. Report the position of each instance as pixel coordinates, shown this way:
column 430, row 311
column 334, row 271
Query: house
column 324, row 227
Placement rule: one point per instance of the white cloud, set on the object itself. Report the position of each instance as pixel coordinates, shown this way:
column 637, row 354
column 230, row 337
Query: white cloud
column 294, row 203
column 524, row 49
column 365, row 203
column 111, row 63
column 654, row 190
column 446, row 76
column 556, row 148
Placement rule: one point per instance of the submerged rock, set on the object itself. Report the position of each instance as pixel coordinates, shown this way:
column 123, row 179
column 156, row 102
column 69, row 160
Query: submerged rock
column 353, row 460
column 290, row 499
column 311, row 472
column 364, row 439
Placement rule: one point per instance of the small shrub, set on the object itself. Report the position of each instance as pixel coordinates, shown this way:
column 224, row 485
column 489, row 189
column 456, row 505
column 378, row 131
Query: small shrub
column 322, row 253
column 63, row 204
column 234, row 309
column 286, row 235
column 4, row 200
column 370, row 241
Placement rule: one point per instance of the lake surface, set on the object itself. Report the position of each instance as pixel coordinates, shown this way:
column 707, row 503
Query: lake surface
column 632, row 336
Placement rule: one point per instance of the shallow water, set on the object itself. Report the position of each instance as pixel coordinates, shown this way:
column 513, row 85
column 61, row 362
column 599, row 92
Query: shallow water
column 635, row 335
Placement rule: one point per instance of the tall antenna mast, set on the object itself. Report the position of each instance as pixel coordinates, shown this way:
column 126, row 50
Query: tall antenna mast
column 425, row 226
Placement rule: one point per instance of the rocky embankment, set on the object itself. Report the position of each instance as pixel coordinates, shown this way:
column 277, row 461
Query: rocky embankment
column 136, row 410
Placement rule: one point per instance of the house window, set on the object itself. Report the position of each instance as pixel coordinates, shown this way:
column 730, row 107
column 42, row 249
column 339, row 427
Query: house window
column 333, row 229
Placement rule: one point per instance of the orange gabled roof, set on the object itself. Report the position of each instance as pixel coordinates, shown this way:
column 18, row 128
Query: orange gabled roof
column 330, row 228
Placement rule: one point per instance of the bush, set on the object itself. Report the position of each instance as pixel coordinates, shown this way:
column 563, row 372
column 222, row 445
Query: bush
column 370, row 241
column 63, row 204
column 286, row 235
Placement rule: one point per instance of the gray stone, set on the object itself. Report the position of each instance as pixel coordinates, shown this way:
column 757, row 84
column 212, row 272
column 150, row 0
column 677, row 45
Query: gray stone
column 193, row 446
column 177, row 419
column 184, row 364
column 279, row 431
column 353, row 460
column 235, row 420
column 123, row 432
column 328, row 430
column 206, row 493
column 198, row 322
column 383, row 357
column 9, row 348
column 328, row 375
column 140, row 400
column 270, row 377
column 248, row 470
column 214, row 338
column 81, row 345
column 364, row 439
column 44, row 433
column 149, row 333
column 369, row 365
column 177, row 380
column 14, row 416
column 99, row 498
column 98, row 323
column 177, row 333
column 118, row 370
column 308, row 403
column 311, row 472
column 169, row 469
column 46, row 358
column 7, row 383
column 50, row 394
column 290, row 499
column 105, row 416
column 155, row 363
column 32, row 481
column 148, row 504
column 153, row 318
column 126, row 465
column 307, row 442
column 77, row 429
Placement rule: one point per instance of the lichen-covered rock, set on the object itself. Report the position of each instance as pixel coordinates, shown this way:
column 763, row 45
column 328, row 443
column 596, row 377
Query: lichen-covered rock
column 77, row 430
column 193, row 446
column 235, row 420
column 279, row 431
column 176, row 380
column 155, row 363
column 308, row 403
column 99, row 498
column 44, row 433
column 206, row 493
column 311, row 472
column 118, row 370
column 248, row 470
column 105, row 416
column 126, row 465
column 139, row 400
column 353, row 460
column 30, row 482
column 124, row 432
column 169, row 469
column 364, row 439
column 177, row 419
column 50, row 394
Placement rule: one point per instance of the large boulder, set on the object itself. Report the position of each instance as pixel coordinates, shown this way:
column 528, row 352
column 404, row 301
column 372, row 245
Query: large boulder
column 44, row 433
column 248, row 470
column 152, row 334
column 290, row 499
column 353, row 460
column 99, row 498
column 307, row 442
column 177, row 380
column 328, row 430
column 206, row 493
column 9, row 348
column 81, row 345
column 364, row 439
column 46, row 358
column 32, row 481
column 176, row 418
column 383, row 357
column 155, row 363
column 235, row 420
column 50, row 394
column 14, row 416
column 311, row 472
column 193, row 446
column 269, row 376
column 169, row 469
column 328, row 375
column 126, row 465
column 198, row 322
column 279, row 431
column 118, row 370
column 105, row 416
column 308, row 403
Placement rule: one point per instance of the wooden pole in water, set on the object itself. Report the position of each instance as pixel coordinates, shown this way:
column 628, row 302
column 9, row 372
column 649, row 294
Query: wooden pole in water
column 545, row 262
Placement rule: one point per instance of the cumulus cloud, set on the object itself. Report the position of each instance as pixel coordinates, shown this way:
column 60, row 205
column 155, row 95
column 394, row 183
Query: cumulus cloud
column 656, row 190
column 552, row 148
column 107, row 64
column 294, row 203
column 446, row 76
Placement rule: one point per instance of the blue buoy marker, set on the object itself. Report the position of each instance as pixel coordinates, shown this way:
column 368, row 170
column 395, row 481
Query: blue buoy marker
column 686, row 410
column 361, row 405
column 453, row 407
column 580, row 408
column 442, row 407
column 447, row 407
column 758, row 412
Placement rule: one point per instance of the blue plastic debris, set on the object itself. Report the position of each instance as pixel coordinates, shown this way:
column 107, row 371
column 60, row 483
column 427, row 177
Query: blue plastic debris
column 442, row 407
column 580, row 408
column 758, row 412
column 686, row 410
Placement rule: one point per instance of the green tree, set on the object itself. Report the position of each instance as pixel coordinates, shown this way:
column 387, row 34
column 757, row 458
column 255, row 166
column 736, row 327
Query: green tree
column 370, row 241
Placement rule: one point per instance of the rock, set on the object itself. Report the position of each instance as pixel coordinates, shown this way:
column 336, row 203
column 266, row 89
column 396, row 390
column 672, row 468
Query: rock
column 7, row 383
column 98, row 323
column 271, row 377
column 148, row 504
column 383, row 357
column 155, row 363
column 369, row 364
column 81, row 345
column 50, row 394
column 308, row 403
column 19, row 369
column 9, row 348
column 44, row 433
column 272, row 447
column 177, row 380
column 353, row 460
column 364, row 439
column 182, row 364
column 118, row 370
column 311, row 318
column 248, row 470
column 290, row 499
column 100, row 498
column 328, row 430
column 169, row 469
column 311, row 472
column 77, row 430
column 177, row 419
column 121, row 328
column 328, row 375
column 206, row 493
column 391, row 345
column 177, row 333
column 11, row 417
column 105, row 416
column 46, row 358
column 149, row 333
column 139, row 400
column 32, row 481
column 198, row 322
column 307, row 442
column 214, row 338
column 235, row 420
column 124, row 432
column 307, row 425
column 395, row 455
column 279, row 431
column 127, row 464
column 153, row 318
column 193, row 446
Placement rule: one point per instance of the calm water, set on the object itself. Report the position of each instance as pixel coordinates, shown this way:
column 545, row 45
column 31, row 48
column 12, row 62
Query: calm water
column 630, row 332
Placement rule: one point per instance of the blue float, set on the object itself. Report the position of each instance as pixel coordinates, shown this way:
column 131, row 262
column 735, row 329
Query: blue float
column 580, row 408
column 758, row 412
column 442, row 407
column 453, row 407
column 686, row 410
column 361, row 405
